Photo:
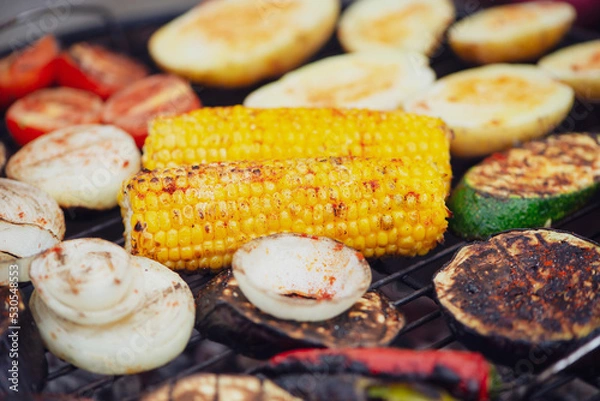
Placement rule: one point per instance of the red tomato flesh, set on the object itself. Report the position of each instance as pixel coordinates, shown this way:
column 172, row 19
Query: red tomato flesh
column 158, row 95
column 49, row 109
column 30, row 69
column 97, row 69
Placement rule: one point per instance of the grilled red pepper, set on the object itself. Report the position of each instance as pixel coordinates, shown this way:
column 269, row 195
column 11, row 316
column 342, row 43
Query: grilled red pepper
column 466, row 375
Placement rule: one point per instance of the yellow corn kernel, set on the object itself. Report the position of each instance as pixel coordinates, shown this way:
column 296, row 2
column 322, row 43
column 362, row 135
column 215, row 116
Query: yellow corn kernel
column 239, row 133
column 373, row 215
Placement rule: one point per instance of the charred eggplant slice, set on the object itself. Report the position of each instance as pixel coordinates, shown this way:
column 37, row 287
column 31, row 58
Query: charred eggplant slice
column 225, row 315
column 220, row 388
column 380, row 373
column 526, row 187
column 523, row 295
column 23, row 360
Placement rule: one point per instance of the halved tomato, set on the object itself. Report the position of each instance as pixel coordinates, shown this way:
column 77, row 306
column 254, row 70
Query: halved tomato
column 97, row 69
column 132, row 107
column 49, row 109
column 27, row 70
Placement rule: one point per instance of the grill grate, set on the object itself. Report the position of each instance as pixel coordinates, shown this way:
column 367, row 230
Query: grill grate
column 406, row 281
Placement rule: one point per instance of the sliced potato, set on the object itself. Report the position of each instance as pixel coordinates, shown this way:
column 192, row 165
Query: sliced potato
column 493, row 107
column 417, row 25
column 233, row 43
column 513, row 32
column 379, row 80
column 578, row 66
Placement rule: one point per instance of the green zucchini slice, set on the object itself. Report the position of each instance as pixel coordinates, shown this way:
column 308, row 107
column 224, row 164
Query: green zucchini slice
column 523, row 295
column 528, row 186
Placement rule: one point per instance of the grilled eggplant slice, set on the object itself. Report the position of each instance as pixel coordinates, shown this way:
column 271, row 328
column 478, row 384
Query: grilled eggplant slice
column 23, row 360
column 526, row 187
column 524, row 295
column 225, row 315
column 211, row 387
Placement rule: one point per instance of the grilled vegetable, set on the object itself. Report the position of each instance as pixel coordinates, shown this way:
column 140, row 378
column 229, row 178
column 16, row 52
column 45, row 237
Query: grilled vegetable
column 79, row 166
column 378, row 80
column 107, row 312
column 235, row 43
column 46, row 110
column 417, row 25
column 135, row 105
column 28, row 70
column 96, row 69
column 30, row 222
column 195, row 217
column 206, row 386
column 224, row 314
column 513, row 32
column 22, row 357
column 466, row 375
column 238, row 133
column 302, row 278
column 523, row 294
column 355, row 387
column 577, row 66
column 404, row 392
column 2, row 156
column 529, row 186
column 494, row 107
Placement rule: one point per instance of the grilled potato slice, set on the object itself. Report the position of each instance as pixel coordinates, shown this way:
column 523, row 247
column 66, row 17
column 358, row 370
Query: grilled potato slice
column 234, row 43
column 513, row 32
column 493, row 107
column 380, row 80
column 416, row 25
column 578, row 66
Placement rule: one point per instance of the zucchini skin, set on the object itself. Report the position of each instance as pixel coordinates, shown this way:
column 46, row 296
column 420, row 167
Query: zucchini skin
column 478, row 215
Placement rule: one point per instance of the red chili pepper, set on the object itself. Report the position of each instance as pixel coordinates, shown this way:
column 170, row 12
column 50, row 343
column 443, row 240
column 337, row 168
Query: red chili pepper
column 465, row 374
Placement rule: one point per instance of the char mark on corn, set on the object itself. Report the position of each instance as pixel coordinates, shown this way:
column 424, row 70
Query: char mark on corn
column 242, row 133
column 194, row 217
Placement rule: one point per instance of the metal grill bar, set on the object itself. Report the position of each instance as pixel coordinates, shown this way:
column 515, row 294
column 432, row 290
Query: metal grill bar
column 111, row 226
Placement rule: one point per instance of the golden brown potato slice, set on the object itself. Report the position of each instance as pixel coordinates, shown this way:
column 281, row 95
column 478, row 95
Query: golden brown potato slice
column 378, row 80
column 493, row 107
column 234, row 43
column 578, row 66
column 416, row 25
column 513, row 32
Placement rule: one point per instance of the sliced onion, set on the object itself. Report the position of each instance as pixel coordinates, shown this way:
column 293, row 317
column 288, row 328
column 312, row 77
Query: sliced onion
column 30, row 222
column 154, row 332
column 90, row 281
column 299, row 277
column 79, row 166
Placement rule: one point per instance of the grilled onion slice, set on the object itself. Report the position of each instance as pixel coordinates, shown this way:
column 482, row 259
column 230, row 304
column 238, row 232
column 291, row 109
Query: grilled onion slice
column 299, row 277
column 523, row 294
column 79, row 166
column 108, row 312
column 225, row 315
column 30, row 222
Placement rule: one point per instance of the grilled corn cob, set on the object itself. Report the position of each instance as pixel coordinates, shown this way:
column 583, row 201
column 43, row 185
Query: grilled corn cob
column 195, row 217
column 241, row 133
